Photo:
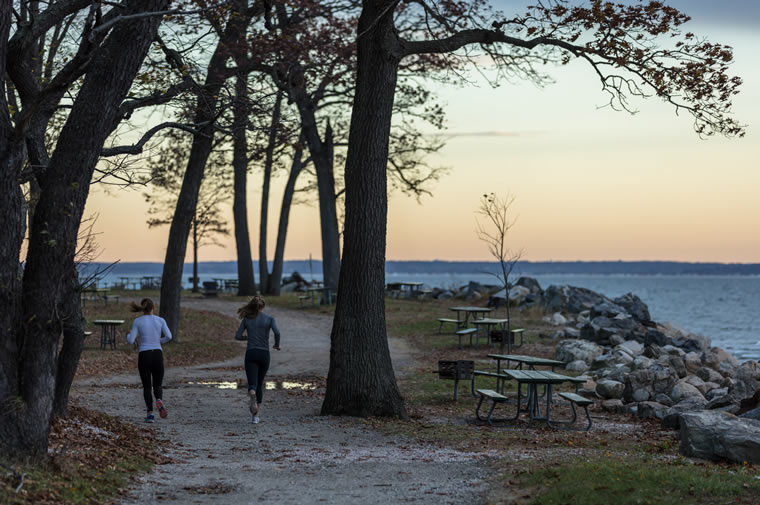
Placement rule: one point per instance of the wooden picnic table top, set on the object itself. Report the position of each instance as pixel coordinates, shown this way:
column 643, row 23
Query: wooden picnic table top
column 470, row 309
column 490, row 320
column 527, row 360
column 537, row 376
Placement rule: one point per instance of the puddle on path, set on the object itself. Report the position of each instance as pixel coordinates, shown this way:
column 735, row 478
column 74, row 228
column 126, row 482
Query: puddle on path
column 270, row 385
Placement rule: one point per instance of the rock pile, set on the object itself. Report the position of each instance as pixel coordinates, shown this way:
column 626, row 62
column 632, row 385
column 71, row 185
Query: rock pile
column 644, row 368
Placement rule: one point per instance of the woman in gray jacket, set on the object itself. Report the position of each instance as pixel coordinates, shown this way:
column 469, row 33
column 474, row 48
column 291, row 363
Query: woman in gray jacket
column 256, row 325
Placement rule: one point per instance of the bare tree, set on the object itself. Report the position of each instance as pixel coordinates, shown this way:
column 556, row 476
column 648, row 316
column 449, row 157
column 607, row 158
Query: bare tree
column 494, row 232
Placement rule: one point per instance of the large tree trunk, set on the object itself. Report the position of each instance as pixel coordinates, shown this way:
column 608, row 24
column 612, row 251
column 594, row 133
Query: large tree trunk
column 52, row 245
column 246, row 280
column 206, row 111
column 264, row 279
column 282, row 229
column 11, row 238
column 73, row 343
column 196, row 289
column 361, row 380
column 322, row 156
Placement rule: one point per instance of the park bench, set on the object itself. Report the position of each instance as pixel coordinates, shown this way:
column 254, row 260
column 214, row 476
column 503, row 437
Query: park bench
column 110, row 297
column 456, row 370
column 493, row 397
column 500, row 378
column 304, row 300
column 446, row 320
column 498, row 335
column 575, row 400
column 465, row 332
column 210, row 288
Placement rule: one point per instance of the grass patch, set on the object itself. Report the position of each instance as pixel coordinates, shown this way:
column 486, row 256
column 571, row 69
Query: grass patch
column 92, row 458
column 645, row 481
column 204, row 337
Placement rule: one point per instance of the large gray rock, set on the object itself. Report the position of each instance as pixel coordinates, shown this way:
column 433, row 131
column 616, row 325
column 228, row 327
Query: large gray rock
column 607, row 309
column 530, row 283
column 648, row 410
column 709, row 375
column 601, row 328
column 656, row 379
column 683, row 390
column 577, row 366
column 571, row 299
column 634, row 306
column 632, row 347
column 746, row 381
column 677, row 364
column 574, row 350
column 610, row 389
column 718, row 435
column 693, row 362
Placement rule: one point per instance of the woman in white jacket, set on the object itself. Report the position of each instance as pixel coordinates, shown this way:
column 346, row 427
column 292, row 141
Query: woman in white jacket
column 153, row 332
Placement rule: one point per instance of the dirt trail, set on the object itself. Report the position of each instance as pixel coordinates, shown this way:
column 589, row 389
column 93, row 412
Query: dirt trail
column 294, row 456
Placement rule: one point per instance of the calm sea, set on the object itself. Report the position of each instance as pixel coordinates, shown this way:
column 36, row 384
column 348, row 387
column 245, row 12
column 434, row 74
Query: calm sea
column 724, row 308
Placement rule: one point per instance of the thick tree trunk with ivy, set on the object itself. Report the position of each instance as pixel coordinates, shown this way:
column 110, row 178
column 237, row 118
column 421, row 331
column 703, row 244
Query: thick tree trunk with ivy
column 361, row 380
column 27, row 399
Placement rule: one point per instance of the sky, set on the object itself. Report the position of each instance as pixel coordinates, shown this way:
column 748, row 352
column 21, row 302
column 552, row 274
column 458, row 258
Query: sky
column 589, row 183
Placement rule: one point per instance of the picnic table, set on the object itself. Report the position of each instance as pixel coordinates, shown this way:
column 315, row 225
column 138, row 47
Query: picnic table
column 488, row 323
column 532, row 379
column 108, row 331
column 325, row 295
column 521, row 360
column 469, row 311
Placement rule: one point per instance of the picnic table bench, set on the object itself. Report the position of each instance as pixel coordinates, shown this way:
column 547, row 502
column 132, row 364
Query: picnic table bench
column 574, row 399
column 494, row 398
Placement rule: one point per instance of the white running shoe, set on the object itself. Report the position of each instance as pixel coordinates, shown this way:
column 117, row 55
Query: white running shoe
column 255, row 419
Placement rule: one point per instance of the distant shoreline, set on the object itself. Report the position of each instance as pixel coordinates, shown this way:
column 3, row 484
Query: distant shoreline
column 473, row 267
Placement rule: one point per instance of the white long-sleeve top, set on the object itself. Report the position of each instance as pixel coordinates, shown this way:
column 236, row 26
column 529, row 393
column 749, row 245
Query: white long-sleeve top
column 152, row 330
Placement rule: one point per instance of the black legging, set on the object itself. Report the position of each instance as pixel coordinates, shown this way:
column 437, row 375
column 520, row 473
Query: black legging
column 151, row 365
column 256, row 366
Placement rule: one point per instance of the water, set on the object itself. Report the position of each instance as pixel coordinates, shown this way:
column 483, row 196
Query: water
column 725, row 308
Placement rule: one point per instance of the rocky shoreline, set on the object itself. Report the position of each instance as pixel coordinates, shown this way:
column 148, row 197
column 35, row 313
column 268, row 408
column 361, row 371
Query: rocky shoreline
column 644, row 368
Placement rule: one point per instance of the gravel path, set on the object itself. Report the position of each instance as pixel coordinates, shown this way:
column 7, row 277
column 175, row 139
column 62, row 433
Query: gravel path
column 294, row 456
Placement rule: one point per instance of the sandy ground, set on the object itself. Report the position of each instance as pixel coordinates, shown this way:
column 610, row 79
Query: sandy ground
column 294, row 455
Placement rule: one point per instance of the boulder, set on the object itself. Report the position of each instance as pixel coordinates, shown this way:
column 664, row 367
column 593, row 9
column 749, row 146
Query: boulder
column 610, row 389
column 577, row 366
column 571, row 332
column 616, row 340
column 607, row 309
column 557, row 319
column 709, row 375
column 677, row 364
column 648, row 410
column 718, row 435
column 746, row 381
column 693, row 362
column 530, row 283
column 571, row 299
column 752, row 414
column 632, row 347
column 574, row 350
column 614, row 405
column 634, row 306
column 710, row 360
column 698, row 383
column 682, row 390
column 656, row 379
column 642, row 395
column 601, row 328
column 663, row 399
column 642, row 363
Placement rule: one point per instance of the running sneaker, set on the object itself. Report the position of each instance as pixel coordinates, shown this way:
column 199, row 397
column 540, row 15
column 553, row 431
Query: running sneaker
column 149, row 418
column 252, row 405
column 161, row 409
column 255, row 419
